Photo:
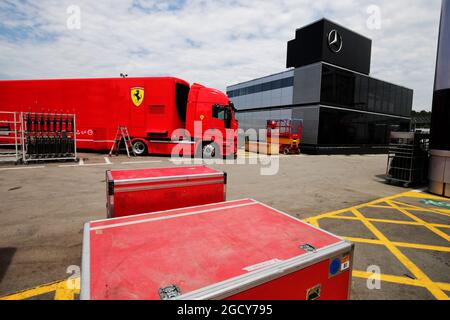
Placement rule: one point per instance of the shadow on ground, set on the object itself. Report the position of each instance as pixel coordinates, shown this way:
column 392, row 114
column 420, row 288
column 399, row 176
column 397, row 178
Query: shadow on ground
column 6, row 255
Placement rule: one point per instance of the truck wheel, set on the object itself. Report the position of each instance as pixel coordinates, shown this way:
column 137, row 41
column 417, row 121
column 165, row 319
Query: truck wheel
column 139, row 148
column 209, row 151
column 287, row 151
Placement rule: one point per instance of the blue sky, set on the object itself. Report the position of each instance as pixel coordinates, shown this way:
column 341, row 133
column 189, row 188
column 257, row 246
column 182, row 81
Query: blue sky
column 213, row 42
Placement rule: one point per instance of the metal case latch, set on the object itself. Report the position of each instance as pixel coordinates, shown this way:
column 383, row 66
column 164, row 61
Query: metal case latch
column 314, row 293
column 169, row 293
column 308, row 248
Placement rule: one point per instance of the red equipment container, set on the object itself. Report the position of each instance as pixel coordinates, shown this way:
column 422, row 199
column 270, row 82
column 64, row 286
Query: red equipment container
column 238, row 250
column 131, row 192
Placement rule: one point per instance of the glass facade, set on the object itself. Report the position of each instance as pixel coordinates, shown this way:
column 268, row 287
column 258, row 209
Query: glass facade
column 346, row 89
column 258, row 119
column 329, row 127
column 346, row 128
column 267, row 86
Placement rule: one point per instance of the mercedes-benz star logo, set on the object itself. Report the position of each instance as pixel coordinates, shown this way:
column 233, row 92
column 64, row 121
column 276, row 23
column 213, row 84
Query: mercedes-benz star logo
column 335, row 41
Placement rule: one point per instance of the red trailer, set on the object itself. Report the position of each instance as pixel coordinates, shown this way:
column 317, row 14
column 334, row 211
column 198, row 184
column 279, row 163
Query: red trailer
column 131, row 192
column 153, row 110
column 237, row 250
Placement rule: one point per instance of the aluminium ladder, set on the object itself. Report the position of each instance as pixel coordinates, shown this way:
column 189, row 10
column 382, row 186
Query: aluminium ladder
column 122, row 134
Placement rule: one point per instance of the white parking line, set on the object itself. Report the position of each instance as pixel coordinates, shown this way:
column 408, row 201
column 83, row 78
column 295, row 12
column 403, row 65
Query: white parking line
column 69, row 165
column 98, row 164
column 82, row 164
column 142, row 162
column 21, row 168
column 85, row 165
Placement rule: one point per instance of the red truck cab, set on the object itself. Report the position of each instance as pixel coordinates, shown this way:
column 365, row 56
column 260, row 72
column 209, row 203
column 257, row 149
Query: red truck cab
column 214, row 111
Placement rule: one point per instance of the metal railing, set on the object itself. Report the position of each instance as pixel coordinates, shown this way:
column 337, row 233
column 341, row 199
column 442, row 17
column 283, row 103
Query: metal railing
column 48, row 137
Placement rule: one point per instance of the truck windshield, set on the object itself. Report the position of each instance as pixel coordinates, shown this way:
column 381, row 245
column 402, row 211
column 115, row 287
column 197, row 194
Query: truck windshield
column 233, row 110
column 223, row 113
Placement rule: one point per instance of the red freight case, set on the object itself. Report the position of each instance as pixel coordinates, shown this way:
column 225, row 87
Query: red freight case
column 131, row 192
column 238, row 250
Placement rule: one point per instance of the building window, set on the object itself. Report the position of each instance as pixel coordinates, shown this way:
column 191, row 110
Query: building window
column 257, row 88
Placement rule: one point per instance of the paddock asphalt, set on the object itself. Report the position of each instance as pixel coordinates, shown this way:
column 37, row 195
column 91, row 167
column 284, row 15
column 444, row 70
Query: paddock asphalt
column 402, row 233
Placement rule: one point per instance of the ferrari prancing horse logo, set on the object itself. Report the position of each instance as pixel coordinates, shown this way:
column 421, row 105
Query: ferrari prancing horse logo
column 137, row 96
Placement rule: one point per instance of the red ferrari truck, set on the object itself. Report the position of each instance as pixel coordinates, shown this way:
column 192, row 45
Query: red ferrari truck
column 159, row 113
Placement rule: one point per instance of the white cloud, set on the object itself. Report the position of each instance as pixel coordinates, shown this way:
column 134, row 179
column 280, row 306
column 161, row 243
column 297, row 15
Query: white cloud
column 217, row 43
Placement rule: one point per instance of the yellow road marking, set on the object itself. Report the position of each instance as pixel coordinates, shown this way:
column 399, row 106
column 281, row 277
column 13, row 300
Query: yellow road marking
column 388, row 278
column 399, row 280
column 313, row 221
column 420, row 195
column 421, row 276
column 408, row 207
column 444, row 286
column 37, row 291
column 424, row 223
column 392, row 202
column 411, row 223
column 365, row 241
column 400, row 244
column 375, row 202
column 64, row 289
column 379, row 207
column 62, row 292
column 415, row 208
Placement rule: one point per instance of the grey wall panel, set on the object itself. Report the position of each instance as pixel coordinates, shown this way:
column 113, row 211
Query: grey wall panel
column 285, row 114
column 266, row 96
column 275, row 99
column 307, row 84
column 258, row 120
column 287, row 97
column 259, row 100
column 310, row 117
column 288, row 92
column 236, row 101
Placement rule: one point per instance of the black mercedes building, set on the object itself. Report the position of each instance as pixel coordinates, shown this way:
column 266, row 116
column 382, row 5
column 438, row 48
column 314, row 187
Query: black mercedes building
column 328, row 86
